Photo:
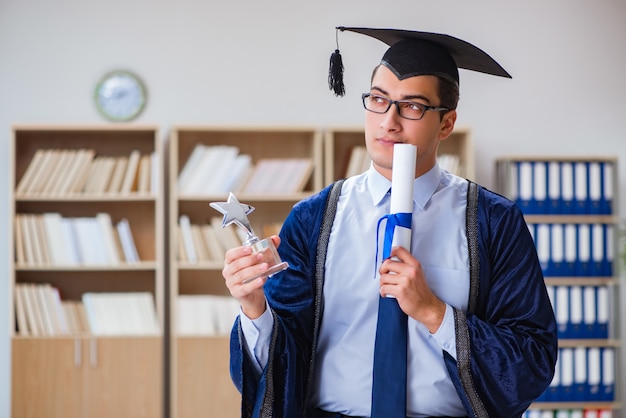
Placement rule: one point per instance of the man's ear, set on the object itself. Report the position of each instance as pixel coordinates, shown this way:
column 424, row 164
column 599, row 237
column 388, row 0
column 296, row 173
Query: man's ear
column 447, row 124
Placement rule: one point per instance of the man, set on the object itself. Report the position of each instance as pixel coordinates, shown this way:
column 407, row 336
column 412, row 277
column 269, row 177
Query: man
column 480, row 331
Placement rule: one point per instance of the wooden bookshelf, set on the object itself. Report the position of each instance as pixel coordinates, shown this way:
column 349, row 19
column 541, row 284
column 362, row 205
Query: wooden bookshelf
column 65, row 374
column 339, row 142
column 199, row 369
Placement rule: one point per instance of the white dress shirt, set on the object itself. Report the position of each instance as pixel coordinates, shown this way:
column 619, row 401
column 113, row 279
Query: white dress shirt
column 344, row 356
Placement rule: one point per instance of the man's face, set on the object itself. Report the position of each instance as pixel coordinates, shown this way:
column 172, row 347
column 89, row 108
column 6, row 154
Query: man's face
column 382, row 131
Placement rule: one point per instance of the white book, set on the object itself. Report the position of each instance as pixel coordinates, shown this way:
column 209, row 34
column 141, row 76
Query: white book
column 130, row 177
column 149, row 319
column 203, row 172
column 65, row 181
column 35, row 239
column 297, row 172
column 45, row 311
column 190, row 166
column 93, row 176
column 195, row 316
column 127, row 241
column 221, row 170
column 143, row 180
column 56, row 174
column 70, row 240
column 46, row 166
column 20, row 251
column 238, row 174
column 61, row 315
column 35, row 323
column 83, row 171
column 227, row 310
column 108, row 239
column 216, row 251
column 185, row 229
column 31, row 170
column 227, row 236
column 89, row 241
column 115, row 185
column 59, row 250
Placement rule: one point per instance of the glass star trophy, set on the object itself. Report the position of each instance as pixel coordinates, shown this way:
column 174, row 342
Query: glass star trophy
column 236, row 213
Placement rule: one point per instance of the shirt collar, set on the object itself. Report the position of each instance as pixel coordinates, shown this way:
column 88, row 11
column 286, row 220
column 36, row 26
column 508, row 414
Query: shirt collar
column 423, row 187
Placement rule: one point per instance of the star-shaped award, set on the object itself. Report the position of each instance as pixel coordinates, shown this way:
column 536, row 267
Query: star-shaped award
column 235, row 212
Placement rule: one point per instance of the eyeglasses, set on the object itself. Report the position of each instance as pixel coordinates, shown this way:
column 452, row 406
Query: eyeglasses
column 406, row 108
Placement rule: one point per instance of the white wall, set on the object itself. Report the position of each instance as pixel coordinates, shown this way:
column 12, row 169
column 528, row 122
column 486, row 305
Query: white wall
column 265, row 62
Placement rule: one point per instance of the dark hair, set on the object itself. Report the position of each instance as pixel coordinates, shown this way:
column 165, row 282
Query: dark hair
column 448, row 93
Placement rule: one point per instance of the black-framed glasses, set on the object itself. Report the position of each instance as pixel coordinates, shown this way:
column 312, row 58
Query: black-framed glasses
column 407, row 109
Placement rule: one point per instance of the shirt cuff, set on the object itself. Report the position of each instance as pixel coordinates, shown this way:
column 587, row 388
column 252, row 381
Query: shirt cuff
column 446, row 334
column 257, row 333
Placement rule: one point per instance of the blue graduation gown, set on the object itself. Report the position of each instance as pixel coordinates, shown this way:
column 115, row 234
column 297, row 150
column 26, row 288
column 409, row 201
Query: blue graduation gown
column 506, row 340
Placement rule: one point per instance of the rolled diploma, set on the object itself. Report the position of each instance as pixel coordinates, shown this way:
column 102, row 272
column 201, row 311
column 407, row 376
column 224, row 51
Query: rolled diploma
column 402, row 178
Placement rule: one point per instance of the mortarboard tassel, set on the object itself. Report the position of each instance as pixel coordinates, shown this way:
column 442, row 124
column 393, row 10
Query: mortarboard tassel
column 335, row 74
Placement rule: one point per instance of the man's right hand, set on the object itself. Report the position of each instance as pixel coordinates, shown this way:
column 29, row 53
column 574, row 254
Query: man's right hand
column 241, row 264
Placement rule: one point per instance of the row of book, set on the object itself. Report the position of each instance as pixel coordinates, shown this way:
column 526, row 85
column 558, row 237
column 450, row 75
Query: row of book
column 62, row 172
column 206, row 242
column 209, row 241
column 561, row 187
column 574, row 249
column 40, row 311
column 206, row 315
column 49, row 239
column 568, row 413
column 582, row 374
column 220, row 169
column 581, row 311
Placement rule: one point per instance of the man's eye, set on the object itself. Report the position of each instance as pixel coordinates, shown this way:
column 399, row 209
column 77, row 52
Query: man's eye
column 379, row 100
column 415, row 107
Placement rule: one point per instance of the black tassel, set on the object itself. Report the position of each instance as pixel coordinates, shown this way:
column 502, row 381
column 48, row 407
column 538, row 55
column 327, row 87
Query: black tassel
column 335, row 74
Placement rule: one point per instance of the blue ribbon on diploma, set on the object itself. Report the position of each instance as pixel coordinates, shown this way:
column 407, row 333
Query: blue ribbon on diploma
column 393, row 220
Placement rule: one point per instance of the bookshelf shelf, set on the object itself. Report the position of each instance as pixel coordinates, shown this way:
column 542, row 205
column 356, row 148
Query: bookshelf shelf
column 115, row 375
column 569, row 205
column 195, row 357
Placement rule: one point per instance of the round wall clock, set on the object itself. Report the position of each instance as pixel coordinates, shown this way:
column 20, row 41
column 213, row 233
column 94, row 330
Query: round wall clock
column 120, row 96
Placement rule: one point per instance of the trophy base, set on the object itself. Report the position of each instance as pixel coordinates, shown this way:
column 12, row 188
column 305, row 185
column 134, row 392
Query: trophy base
column 270, row 256
column 269, row 272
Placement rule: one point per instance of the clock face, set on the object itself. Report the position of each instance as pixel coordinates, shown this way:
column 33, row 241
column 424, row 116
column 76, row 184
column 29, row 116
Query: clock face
column 120, row 96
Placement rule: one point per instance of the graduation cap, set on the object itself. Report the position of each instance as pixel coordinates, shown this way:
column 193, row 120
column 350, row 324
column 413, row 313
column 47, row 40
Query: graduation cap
column 413, row 53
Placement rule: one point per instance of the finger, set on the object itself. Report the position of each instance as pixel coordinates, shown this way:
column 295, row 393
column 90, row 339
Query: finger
column 236, row 253
column 275, row 240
